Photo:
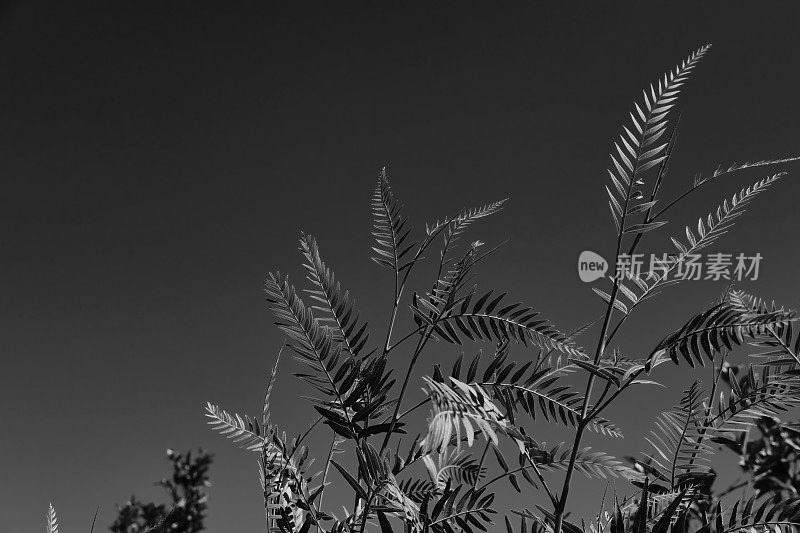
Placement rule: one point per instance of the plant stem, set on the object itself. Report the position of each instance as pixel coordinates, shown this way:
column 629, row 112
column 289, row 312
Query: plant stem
column 399, row 286
column 365, row 514
column 420, row 345
column 325, row 473
column 601, row 345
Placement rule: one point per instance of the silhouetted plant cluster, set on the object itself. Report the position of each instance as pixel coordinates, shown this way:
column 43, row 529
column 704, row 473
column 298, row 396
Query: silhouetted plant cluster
column 482, row 408
column 187, row 492
column 488, row 412
column 770, row 460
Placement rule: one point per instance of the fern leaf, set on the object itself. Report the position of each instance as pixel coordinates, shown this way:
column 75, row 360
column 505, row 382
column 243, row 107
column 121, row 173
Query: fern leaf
column 314, row 346
column 418, row 489
column 714, row 226
column 265, row 412
column 542, row 393
column 718, row 223
column 459, row 225
column 638, row 148
column 488, row 318
column 597, row 465
column 769, row 517
column 723, row 325
column 472, row 509
column 335, row 303
column 735, row 167
column 245, row 432
column 781, row 345
column 454, row 465
column 460, row 406
column 52, row 520
column 678, row 441
column 389, row 227
column 757, row 396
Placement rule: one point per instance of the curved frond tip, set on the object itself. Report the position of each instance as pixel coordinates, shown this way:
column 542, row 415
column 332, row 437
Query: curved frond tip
column 52, row 520
column 638, row 148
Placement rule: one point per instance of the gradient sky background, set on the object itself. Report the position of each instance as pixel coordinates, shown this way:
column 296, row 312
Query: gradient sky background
column 160, row 158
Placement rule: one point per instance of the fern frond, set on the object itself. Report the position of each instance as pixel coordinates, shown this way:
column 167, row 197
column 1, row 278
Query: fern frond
column 460, row 406
column 543, row 393
column 708, row 230
column 314, row 346
column 335, row 303
column 427, row 311
column 403, row 505
column 723, row 325
column 418, row 489
column 389, row 228
column 735, row 167
column 472, row 509
column 453, row 465
column 245, row 432
column 637, row 149
column 597, row 465
column 52, row 520
column 534, row 388
column 717, row 224
column 488, row 319
column 757, row 396
column 768, row 517
column 782, row 348
column 459, row 224
column 273, row 376
column 311, row 341
column 678, row 441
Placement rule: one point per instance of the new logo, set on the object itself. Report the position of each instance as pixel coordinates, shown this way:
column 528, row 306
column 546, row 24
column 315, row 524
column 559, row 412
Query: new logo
column 591, row 266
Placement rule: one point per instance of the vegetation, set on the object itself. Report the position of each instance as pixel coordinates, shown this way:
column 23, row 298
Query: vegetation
column 479, row 408
column 443, row 480
column 187, row 492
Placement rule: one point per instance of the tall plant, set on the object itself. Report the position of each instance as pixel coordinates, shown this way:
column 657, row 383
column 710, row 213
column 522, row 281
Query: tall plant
column 480, row 404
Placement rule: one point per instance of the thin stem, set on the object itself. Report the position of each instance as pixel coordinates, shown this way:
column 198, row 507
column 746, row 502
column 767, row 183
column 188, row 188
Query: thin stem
column 399, row 286
column 412, row 409
column 325, row 473
column 365, row 514
column 498, row 477
column 785, row 347
column 542, row 480
column 560, row 505
column 405, row 338
column 393, row 316
column 304, row 435
column 420, row 345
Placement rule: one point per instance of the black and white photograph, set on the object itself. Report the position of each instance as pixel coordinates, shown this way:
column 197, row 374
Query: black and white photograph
column 400, row 267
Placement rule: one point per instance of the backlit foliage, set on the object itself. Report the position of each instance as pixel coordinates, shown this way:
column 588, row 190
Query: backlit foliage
column 483, row 408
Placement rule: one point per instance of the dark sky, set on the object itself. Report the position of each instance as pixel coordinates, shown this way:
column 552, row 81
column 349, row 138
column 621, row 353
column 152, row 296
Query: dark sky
column 160, row 158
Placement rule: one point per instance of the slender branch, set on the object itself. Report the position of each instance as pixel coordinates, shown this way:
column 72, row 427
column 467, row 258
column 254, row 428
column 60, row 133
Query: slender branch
column 405, row 338
column 785, row 347
column 541, row 479
column 420, row 346
column 716, row 175
column 459, row 513
column 395, row 304
column 560, row 505
column 365, row 513
column 325, row 473
column 399, row 286
column 304, row 435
